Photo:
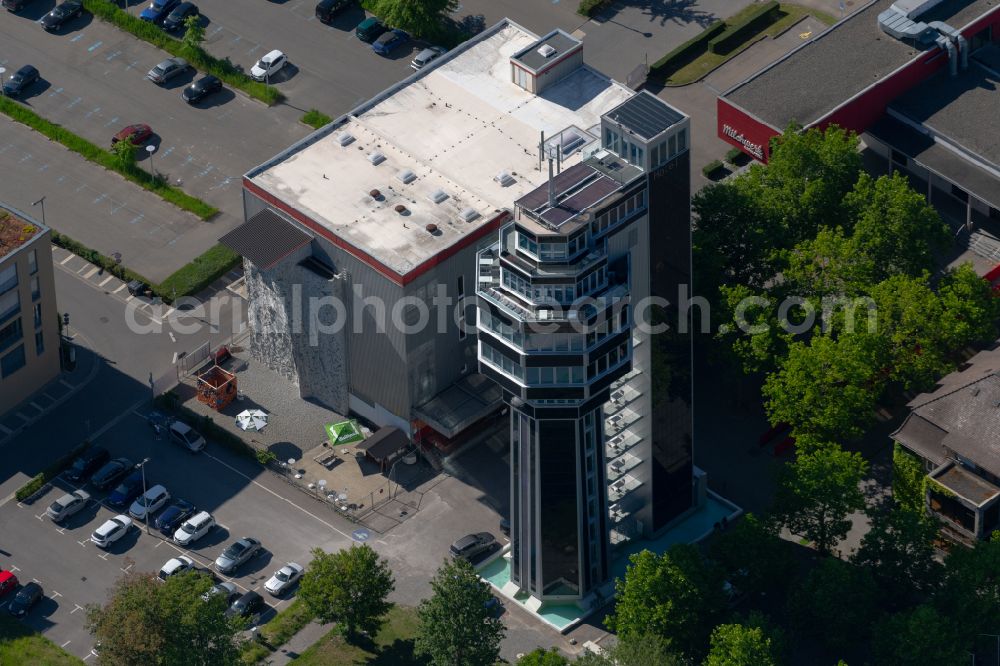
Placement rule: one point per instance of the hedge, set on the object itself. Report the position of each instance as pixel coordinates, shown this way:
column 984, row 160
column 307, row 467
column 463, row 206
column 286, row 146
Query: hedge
column 22, row 114
column 93, row 256
column 315, row 119
column 734, row 154
column 736, row 33
column 202, row 271
column 687, row 51
column 148, row 32
column 711, row 168
column 591, row 7
column 49, row 473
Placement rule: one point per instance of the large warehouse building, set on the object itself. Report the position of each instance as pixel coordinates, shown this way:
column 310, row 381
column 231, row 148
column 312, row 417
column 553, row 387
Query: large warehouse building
column 918, row 79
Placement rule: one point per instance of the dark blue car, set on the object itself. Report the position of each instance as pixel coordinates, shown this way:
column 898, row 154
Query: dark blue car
column 127, row 491
column 158, row 10
column 390, row 41
column 177, row 513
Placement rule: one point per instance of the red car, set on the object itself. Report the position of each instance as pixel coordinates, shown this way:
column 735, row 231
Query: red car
column 8, row 582
column 136, row 134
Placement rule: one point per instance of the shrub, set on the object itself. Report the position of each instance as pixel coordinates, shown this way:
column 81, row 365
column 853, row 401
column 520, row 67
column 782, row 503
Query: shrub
column 711, row 169
column 687, row 51
column 591, row 7
column 264, row 456
column 315, row 119
column 224, row 69
column 110, row 161
column 750, row 23
column 733, row 155
column 31, row 487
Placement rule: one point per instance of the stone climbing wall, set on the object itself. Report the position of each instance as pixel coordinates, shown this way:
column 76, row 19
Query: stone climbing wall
column 283, row 338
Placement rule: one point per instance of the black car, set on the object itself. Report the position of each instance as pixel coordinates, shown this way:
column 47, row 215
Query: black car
column 247, row 606
column 127, row 490
column 14, row 5
column 327, row 9
column 27, row 596
column 111, row 472
column 173, row 516
column 89, row 461
column 201, row 89
column 175, row 19
column 61, row 13
column 22, row 78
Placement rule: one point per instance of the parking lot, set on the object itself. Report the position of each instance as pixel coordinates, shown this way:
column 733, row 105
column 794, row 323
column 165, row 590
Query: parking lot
column 74, row 572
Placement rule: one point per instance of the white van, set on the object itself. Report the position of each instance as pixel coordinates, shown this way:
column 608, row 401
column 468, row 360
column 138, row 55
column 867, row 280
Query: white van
column 186, row 436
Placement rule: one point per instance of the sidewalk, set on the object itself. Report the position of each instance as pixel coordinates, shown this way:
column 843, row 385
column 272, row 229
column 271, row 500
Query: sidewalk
column 299, row 643
column 66, row 384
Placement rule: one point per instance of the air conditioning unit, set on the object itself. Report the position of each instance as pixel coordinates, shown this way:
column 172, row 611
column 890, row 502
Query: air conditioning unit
column 345, row 138
column 468, row 214
column 406, row 176
column 376, row 157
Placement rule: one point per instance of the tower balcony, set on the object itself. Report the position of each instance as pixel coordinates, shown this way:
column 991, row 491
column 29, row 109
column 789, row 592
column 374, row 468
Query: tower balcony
column 620, row 443
column 619, row 422
column 620, row 488
column 622, row 464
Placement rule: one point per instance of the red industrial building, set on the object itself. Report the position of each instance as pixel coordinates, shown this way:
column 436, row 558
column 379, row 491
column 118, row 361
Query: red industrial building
column 917, row 79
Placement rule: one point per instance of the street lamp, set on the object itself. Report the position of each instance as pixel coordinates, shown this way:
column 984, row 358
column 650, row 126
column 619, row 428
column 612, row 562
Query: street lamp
column 40, row 202
column 151, row 149
column 145, row 515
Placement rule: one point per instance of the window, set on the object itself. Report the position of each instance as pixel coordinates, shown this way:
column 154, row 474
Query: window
column 39, row 344
column 8, row 278
column 10, row 305
column 520, row 77
column 36, row 290
column 10, row 334
column 672, row 143
column 461, row 287
column 38, row 314
column 682, row 140
column 494, row 358
column 33, row 262
column 12, row 362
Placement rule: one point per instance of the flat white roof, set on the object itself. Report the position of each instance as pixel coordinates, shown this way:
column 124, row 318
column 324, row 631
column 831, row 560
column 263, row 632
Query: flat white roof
column 456, row 125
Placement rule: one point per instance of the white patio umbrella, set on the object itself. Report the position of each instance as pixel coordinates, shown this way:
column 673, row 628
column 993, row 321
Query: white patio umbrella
column 251, row 419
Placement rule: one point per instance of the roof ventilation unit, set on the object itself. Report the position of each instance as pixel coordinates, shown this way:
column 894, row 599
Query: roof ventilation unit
column 468, row 214
column 546, row 51
column 345, row 138
column 406, row 176
column 437, row 196
column 504, row 178
column 376, row 157
column 431, row 228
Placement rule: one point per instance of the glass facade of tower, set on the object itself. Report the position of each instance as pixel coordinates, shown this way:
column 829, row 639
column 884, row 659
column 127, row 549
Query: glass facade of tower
column 556, row 301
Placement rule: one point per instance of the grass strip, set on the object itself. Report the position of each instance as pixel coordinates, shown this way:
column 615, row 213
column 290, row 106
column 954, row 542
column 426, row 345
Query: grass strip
column 393, row 644
column 93, row 153
column 315, row 119
column 49, row 473
column 19, row 644
column 197, row 56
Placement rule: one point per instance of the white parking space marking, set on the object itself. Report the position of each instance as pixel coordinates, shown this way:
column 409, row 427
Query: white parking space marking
column 5, row 430
column 65, row 644
column 68, row 257
column 13, row 568
column 119, row 288
column 92, row 273
column 82, row 543
column 78, row 608
column 125, row 569
column 55, row 594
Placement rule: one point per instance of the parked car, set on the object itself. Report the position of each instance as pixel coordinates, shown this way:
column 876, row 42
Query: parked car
column 249, row 606
column 226, row 590
column 201, row 89
column 8, row 582
column 174, row 515
column 112, row 530
column 175, row 19
column 15, row 5
column 327, row 9
column 369, row 29
column 136, row 134
column 426, row 56
column 67, row 505
column 186, row 436
column 26, row 597
column 176, row 565
column 472, row 544
column 237, row 554
column 158, row 10
column 111, row 473
column 268, row 65
column 61, row 13
column 283, row 579
column 389, row 42
column 135, row 287
column 19, row 82
column 86, row 464
column 127, row 490
column 167, row 70
column 149, row 503
column 194, row 528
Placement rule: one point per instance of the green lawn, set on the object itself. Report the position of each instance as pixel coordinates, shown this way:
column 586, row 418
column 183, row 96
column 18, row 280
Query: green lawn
column 705, row 63
column 393, row 646
column 21, row 645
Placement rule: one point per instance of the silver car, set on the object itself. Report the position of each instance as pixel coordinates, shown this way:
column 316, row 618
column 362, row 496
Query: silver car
column 283, row 579
column 67, row 505
column 238, row 552
column 167, row 70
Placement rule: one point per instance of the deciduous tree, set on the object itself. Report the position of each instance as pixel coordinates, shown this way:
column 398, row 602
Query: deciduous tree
column 818, row 492
column 741, row 645
column 421, row 18
column 194, row 33
column 676, row 595
column 350, row 587
column 916, row 637
column 754, row 557
column 457, row 625
column 898, row 550
column 835, row 603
